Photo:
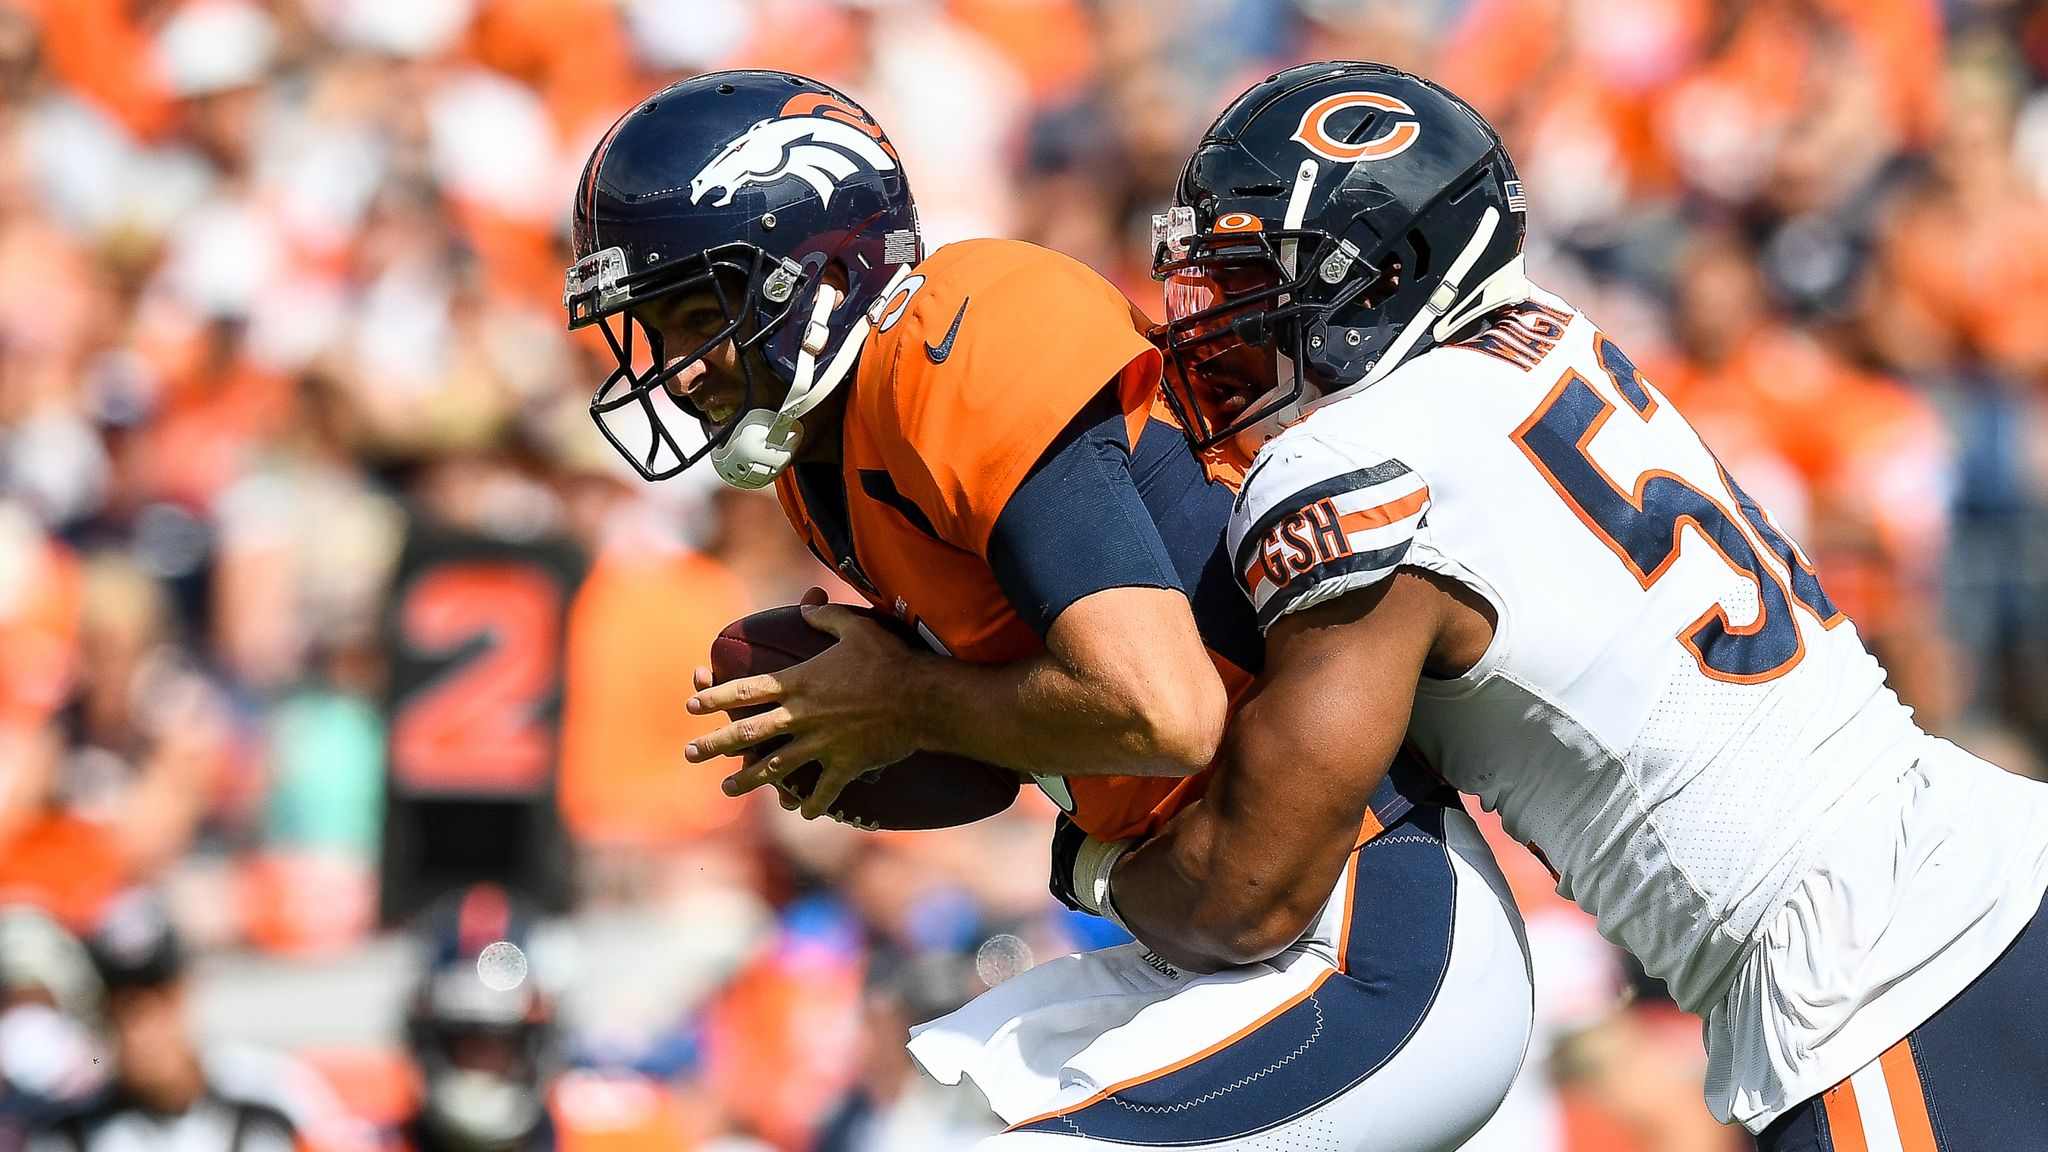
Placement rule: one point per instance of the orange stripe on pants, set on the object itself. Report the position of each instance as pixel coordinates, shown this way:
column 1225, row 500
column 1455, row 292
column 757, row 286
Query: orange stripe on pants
column 1909, row 1103
column 1845, row 1119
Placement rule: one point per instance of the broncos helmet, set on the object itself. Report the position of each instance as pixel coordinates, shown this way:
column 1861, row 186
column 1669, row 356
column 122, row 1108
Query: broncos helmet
column 1335, row 221
column 746, row 185
column 479, row 1024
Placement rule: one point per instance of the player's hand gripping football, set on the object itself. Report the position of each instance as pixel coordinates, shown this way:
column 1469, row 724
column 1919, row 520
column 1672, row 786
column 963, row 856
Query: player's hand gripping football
column 843, row 708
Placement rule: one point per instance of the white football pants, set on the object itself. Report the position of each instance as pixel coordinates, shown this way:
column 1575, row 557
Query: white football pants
column 1397, row 1023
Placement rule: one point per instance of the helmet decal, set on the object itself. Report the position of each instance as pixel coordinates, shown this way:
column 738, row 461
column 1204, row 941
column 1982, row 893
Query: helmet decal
column 820, row 104
column 821, row 147
column 888, row 309
column 1353, row 271
column 1314, row 132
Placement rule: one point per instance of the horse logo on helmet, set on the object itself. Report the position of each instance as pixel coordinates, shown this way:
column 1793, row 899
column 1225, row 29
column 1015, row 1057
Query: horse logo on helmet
column 816, row 140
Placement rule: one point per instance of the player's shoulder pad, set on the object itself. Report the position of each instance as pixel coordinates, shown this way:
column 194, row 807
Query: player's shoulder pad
column 996, row 307
column 979, row 358
column 1319, row 515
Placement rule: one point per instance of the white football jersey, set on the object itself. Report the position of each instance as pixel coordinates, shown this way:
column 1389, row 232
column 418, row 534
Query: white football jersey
column 1671, row 711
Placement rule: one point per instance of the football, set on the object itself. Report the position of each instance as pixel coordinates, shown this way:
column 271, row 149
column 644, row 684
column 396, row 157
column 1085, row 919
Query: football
column 925, row 790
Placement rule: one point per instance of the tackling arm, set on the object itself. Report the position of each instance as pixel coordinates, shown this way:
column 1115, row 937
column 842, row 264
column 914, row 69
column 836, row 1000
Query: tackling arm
column 1239, row 875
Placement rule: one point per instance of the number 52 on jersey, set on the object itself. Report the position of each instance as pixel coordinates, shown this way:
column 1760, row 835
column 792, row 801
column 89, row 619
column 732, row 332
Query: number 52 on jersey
column 1644, row 520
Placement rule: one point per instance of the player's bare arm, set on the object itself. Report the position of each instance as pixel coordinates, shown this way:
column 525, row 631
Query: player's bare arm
column 1238, row 875
column 1124, row 688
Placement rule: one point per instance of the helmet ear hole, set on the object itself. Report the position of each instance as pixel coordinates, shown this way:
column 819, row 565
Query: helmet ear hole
column 1392, row 275
column 1419, row 244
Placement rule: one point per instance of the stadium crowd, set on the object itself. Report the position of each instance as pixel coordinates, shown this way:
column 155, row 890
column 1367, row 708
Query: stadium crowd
column 280, row 321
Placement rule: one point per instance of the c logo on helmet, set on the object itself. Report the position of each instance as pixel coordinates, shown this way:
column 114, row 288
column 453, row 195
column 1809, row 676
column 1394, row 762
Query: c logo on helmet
column 816, row 139
column 1314, row 132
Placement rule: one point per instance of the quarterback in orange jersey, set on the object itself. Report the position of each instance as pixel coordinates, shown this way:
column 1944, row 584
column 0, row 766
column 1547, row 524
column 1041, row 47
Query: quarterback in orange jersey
column 971, row 441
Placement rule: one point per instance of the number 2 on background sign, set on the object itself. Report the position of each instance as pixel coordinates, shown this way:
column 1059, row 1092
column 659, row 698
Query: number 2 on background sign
column 1644, row 525
column 477, row 727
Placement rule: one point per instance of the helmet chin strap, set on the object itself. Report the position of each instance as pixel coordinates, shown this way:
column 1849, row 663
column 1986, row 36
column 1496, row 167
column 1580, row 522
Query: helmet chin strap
column 1509, row 284
column 763, row 443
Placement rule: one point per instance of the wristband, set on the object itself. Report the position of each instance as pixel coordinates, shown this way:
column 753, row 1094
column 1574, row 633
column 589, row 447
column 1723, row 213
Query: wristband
column 1093, row 865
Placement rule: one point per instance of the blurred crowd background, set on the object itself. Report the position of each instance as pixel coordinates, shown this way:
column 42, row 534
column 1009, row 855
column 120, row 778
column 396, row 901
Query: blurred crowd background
column 321, row 598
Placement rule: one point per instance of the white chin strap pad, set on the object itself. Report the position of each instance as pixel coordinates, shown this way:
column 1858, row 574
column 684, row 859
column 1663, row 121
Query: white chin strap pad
column 1509, row 284
column 763, row 443
column 758, row 448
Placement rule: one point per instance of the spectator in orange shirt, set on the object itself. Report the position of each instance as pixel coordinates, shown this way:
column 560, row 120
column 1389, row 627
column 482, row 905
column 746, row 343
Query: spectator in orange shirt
column 142, row 745
column 1962, row 278
column 623, row 781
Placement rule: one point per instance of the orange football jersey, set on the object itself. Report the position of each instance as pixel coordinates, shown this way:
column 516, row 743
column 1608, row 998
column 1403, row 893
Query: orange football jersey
column 978, row 361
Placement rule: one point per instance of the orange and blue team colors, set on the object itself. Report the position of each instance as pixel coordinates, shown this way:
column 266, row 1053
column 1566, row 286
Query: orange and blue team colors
column 978, row 363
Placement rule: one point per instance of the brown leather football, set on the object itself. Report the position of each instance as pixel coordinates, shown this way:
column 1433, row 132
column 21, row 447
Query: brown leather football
column 924, row 790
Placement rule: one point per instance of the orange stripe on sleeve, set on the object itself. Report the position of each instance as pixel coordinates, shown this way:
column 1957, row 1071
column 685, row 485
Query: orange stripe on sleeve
column 1845, row 1119
column 1384, row 514
column 1909, row 1102
column 1256, row 577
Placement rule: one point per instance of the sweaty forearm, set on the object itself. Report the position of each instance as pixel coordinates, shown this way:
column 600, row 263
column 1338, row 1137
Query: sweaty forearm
column 1038, row 715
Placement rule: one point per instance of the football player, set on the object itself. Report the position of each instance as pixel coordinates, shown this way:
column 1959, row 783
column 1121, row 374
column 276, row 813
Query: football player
column 480, row 1029
column 487, row 1050
column 1472, row 524
column 970, row 440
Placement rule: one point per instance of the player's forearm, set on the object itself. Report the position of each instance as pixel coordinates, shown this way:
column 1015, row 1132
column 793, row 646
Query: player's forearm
column 1238, row 875
column 1209, row 892
column 1163, row 892
column 1040, row 716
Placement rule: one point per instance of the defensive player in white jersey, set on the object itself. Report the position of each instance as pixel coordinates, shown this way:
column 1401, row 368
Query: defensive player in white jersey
column 1473, row 523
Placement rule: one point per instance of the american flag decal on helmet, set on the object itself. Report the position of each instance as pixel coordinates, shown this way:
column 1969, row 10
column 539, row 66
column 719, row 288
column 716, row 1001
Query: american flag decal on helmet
column 1516, row 201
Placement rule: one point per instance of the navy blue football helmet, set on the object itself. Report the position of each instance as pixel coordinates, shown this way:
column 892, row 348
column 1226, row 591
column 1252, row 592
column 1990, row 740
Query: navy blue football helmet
column 745, row 185
column 1335, row 221
column 480, row 1025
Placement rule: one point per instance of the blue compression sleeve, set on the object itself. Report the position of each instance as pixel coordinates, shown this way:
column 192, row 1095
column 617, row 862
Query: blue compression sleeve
column 1077, row 524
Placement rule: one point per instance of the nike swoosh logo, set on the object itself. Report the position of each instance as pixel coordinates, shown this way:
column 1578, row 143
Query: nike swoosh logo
column 944, row 348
